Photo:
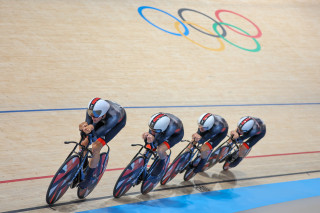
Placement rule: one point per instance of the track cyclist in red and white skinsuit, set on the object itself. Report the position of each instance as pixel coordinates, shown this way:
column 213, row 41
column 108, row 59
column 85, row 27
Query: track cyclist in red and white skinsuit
column 212, row 129
column 165, row 131
column 250, row 130
column 104, row 120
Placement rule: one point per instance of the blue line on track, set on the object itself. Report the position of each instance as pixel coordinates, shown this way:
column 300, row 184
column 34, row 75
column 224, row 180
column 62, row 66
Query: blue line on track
column 227, row 200
column 183, row 106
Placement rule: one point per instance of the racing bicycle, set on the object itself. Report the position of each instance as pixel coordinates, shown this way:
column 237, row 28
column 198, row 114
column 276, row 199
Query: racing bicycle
column 184, row 160
column 137, row 171
column 72, row 172
column 227, row 152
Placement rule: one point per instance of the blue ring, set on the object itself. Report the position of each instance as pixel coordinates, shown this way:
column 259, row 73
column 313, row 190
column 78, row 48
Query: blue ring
column 186, row 32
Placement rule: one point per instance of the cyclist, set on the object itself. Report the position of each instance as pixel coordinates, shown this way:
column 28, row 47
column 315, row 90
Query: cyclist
column 165, row 131
column 249, row 131
column 212, row 129
column 104, row 120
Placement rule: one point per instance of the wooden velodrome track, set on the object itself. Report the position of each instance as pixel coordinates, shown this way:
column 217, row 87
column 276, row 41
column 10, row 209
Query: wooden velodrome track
column 59, row 54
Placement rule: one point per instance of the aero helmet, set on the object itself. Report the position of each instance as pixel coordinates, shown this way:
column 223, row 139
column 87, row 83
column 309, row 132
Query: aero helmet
column 97, row 107
column 159, row 122
column 206, row 120
column 245, row 124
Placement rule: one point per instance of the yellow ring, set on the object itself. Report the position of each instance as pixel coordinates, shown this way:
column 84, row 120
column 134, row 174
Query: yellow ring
column 176, row 24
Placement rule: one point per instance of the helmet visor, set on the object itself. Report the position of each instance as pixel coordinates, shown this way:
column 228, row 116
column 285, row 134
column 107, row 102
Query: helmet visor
column 203, row 128
column 156, row 130
column 240, row 132
column 94, row 113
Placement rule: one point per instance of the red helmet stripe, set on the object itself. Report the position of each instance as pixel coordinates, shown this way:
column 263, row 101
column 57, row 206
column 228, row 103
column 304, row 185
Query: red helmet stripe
column 206, row 116
column 95, row 100
column 245, row 121
column 157, row 118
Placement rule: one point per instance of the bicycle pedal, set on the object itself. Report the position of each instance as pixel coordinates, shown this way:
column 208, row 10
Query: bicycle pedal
column 138, row 181
column 74, row 183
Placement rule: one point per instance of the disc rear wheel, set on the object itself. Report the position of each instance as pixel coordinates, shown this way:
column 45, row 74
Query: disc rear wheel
column 176, row 167
column 98, row 173
column 150, row 181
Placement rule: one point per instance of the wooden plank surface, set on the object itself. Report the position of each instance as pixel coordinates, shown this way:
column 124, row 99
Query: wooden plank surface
column 60, row 54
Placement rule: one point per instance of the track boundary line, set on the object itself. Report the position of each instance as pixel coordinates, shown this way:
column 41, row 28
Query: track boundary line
column 116, row 169
column 163, row 189
column 174, row 106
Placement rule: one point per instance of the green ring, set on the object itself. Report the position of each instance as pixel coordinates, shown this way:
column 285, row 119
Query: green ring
column 250, row 50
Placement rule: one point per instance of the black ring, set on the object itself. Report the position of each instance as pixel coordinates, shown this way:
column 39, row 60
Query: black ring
column 224, row 33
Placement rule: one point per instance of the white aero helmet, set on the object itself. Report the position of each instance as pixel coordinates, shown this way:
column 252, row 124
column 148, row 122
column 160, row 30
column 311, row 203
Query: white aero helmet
column 206, row 121
column 159, row 122
column 245, row 124
column 97, row 107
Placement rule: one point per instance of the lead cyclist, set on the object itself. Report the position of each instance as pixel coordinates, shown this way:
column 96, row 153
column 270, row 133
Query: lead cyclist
column 104, row 120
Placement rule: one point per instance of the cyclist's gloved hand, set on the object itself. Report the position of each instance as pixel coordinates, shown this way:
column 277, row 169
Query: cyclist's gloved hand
column 150, row 138
column 151, row 146
column 88, row 129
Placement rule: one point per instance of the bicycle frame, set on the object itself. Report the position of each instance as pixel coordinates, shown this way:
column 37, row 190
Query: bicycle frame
column 233, row 146
column 81, row 154
column 147, row 156
column 71, row 172
column 194, row 150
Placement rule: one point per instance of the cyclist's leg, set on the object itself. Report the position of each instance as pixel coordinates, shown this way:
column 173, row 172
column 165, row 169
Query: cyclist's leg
column 244, row 148
column 207, row 147
column 205, row 150
column 96, row 148
column 93, row 163
column 163, row 147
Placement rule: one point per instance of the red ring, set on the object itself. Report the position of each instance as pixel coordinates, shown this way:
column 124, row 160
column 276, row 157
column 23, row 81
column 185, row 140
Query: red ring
column 256, row 36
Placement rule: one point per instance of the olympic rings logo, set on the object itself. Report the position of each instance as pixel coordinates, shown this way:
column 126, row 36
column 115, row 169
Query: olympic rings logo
column 203, row 30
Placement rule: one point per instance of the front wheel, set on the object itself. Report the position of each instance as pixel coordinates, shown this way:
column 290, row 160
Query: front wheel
column 128, row 177
column 176, row 167
column 98, row 173
column 63, row 179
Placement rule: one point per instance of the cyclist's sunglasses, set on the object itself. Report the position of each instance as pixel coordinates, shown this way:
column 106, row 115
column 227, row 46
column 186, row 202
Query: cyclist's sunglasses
column 240, row 132
column 156, row 130
column 204, row 128
column 94, row 114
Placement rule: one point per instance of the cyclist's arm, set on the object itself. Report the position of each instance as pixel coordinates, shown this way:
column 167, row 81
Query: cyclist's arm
column 244, row 137
column 207, row 136
column 88, row 118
